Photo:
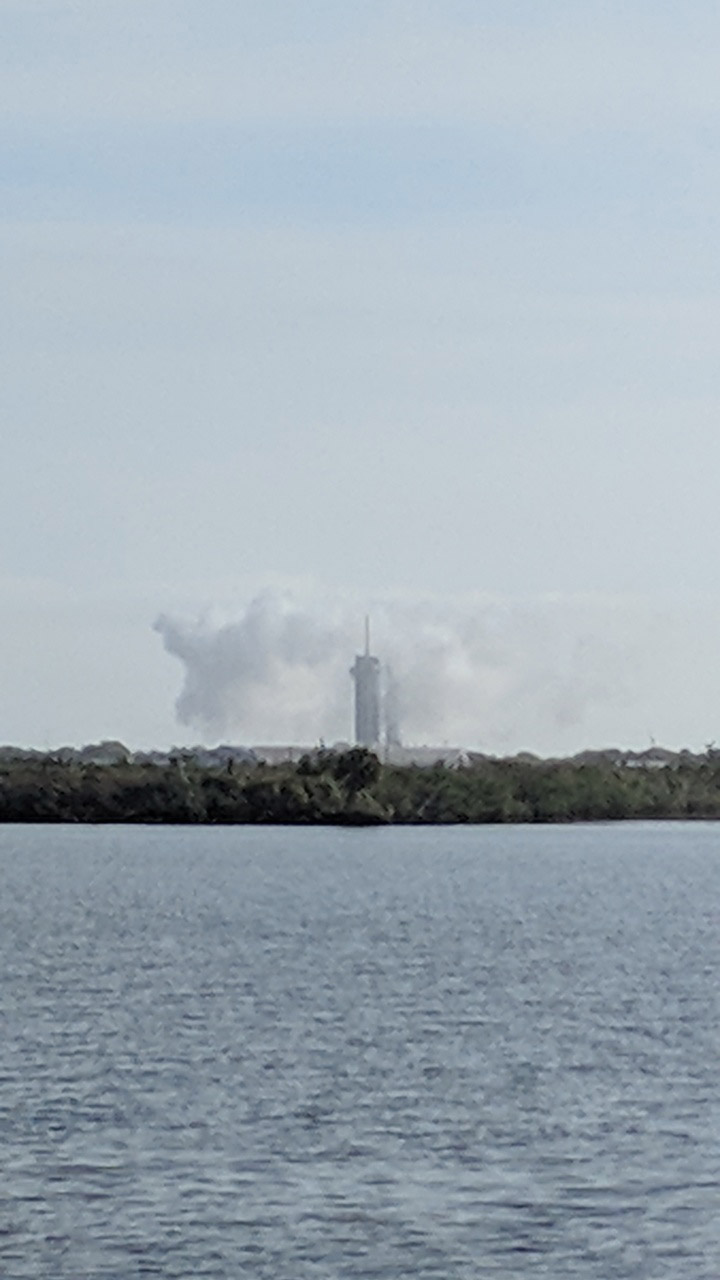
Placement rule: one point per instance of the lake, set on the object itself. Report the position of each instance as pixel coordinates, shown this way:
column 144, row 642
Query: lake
column 295, row 1053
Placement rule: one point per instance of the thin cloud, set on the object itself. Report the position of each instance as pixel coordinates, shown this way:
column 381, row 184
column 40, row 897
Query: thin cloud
column 573, row 69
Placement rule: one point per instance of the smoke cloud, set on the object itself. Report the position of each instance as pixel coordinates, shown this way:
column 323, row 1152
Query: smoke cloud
column 494, row 674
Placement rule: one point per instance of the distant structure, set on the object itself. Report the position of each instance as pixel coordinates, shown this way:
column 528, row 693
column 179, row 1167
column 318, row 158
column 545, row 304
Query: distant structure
column 366, row 674
column 391, row 708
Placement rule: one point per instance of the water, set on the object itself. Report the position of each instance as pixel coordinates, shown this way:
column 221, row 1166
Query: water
column 428, row 1053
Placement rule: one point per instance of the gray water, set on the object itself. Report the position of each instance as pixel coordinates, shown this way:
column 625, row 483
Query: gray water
column 311, row 1053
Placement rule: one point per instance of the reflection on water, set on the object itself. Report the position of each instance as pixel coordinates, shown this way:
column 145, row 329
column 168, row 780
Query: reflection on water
column 287, row 1054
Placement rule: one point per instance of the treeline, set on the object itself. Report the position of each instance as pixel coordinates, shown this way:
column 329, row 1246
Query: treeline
column 354, row 788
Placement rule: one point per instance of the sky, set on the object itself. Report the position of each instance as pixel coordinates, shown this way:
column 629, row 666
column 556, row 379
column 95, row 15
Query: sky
column 408, row 307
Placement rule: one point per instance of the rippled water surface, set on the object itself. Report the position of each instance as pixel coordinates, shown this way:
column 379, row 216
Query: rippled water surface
column 308, row 1053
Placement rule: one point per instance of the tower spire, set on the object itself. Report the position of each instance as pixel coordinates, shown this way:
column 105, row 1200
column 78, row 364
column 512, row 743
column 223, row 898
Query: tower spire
column 366, row 674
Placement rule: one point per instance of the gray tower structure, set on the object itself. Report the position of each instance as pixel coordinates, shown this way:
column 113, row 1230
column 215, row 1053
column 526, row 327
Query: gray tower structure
column 391, row 706
column 366, row 674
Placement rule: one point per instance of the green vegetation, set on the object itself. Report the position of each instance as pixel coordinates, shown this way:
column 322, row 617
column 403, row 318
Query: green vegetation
column 353, row 788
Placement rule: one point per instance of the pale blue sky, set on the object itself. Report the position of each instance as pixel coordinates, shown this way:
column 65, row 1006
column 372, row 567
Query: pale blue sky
column 398, row 300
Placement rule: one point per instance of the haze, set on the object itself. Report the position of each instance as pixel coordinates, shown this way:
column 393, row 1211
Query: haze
column 409, row 307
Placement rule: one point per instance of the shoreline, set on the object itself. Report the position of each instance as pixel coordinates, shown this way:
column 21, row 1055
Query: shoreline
column 353, row 788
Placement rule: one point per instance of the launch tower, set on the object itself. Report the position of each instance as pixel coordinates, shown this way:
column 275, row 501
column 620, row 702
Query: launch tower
column 366, row 674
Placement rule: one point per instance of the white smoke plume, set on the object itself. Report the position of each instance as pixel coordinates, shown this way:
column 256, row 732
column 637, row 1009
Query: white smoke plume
column 496, row 674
